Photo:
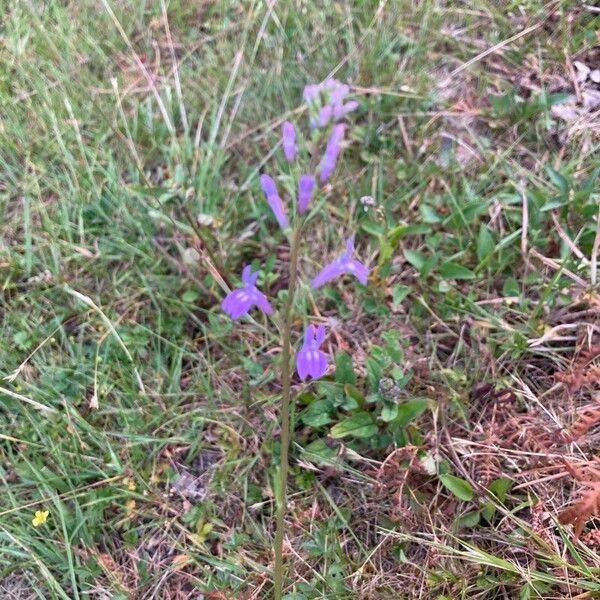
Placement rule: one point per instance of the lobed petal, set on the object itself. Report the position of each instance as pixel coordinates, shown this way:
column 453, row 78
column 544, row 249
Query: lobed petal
column 306, row 187
column 320, row 335
column 311, row 92
column 238, row 303
column 302, row 367
column 338, row 92
column 248, row 277
column 288, row 133
column 321, row 367
column 329, row 272
column 309, row 336
column 349, row 248
column 360, row 271
column 341, row 110
column 268, row 185
column 262, row 302
column 336, row 137
column 327, row 167
column 278, row 210
column 317, row 363
column 325, row 115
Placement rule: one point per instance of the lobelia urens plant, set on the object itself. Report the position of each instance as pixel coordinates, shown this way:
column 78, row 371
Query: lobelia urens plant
column 326, row 106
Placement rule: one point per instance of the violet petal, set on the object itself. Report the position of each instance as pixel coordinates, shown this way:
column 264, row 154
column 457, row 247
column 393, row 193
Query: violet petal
column 328, row 273
column 306, row 186
column 288, row 133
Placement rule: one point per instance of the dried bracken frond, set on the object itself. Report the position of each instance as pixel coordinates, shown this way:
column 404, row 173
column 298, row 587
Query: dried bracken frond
column 487, row 464
column 485, row 392
column 588, row 504
column 503, row 428
column 538, row 522
column 529, row 432
column 583, row 372
column 393, row 475
column 579, row 378
column 588, row 416
column 591, row 538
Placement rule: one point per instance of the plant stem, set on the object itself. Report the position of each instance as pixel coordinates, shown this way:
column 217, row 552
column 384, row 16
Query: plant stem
column 286, row 376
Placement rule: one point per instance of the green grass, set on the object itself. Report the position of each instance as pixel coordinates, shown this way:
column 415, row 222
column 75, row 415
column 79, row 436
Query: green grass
column 102, row 161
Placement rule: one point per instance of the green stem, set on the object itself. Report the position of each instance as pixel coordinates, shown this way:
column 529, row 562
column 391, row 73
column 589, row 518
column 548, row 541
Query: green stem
column 286, row 376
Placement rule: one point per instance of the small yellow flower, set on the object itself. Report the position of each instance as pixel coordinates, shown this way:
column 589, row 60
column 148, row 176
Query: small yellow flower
column 130, row 483
column 41, row 516
column 129, row 507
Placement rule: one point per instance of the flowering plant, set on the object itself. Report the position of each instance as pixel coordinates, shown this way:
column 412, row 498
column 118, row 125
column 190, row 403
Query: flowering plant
column 326, row 106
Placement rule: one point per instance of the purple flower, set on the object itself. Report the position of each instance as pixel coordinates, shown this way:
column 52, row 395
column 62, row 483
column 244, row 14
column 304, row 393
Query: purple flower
column 239, row 301
column 311, row 92
column 325, row 115
column 343, row 264
column 288, row 134
column 268, row 186
column 326, row 100
column 337, row 91
column 306, row 187
column 341, row 110
column 332, row 151
column 310, row 361
column 270, row 189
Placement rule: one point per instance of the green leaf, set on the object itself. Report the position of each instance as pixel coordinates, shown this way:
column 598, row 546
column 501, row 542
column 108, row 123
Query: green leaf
column 501, row 104
column 389, row 411
column 344, row 370
column 452, row 270
column 373, row 228
column 511, row 287
column 385, row 251
column 320, row 453
column 21, row 338
column 389, row 243
column 318, row 413
column 459, row 487
column 353, row 392
column 304, row 398
column 408, row 411
column 589, row 183
column 374, row 371
column 468, row 520
column 499, row 487
column 399, row 293
column 417, row 229
column 429, row 214
column 155, row 192
column 415, row 258
column 555, row 202
column 488, row 510
column 485, row 243
column 395, row 235
column 558, row 179
column 190, row 296
column 528, row 591
column 359, row 425
column 427, row 266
